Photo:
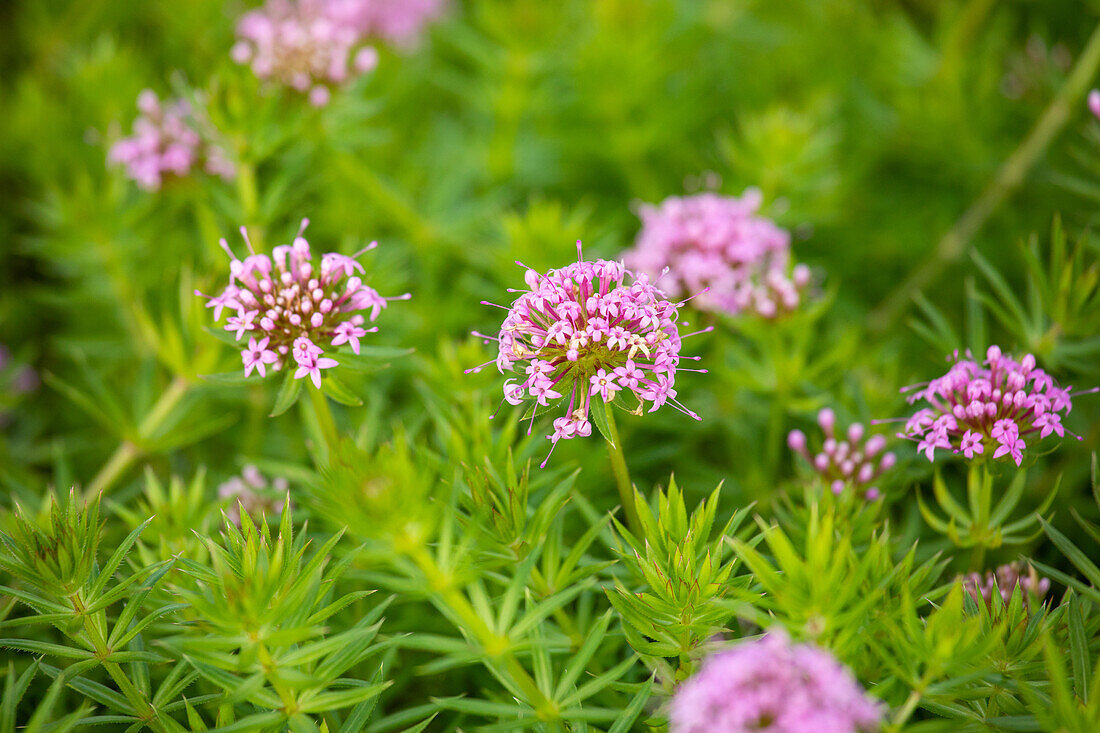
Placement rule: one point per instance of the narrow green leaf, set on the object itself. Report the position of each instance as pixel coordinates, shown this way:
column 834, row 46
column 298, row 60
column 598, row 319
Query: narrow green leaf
column 1078, row 648
column 45, row 647
column 625, row 722
column 599, row 419
column 339, row 391
column 288, row 394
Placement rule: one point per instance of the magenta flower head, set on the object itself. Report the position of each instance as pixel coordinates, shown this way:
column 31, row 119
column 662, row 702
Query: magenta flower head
column 303, row 44
column 294, row 311
column 589, row 330
column 1094, row 103
column 773, row 686
column 718, row 243
column 398, row 21
column 990, row 409
column 1003, row 581
column 252, row 491
column 166, row 144
column 848, row 459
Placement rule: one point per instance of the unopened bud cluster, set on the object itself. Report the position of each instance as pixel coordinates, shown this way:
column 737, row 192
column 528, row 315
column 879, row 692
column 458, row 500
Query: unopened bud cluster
column 252, row 492
column 850, row 459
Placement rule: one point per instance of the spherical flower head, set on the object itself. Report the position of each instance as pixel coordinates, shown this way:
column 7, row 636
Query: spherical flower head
column 719, row 247
column 1003, row 581
column 252, row 491
column 771, row 685
column 848, row 459
column 306, row 45
column 590, row 331
column 1094, row 103
column 166, row 144
column 989, row 409
column 294, row 310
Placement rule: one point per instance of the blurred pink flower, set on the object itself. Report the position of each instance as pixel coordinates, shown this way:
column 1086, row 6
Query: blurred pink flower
column 770, row 685
column 397, row 21
column 307, row 45
column 166, row 144
column 1003, row 581
column 718, row 247
column 251, row 491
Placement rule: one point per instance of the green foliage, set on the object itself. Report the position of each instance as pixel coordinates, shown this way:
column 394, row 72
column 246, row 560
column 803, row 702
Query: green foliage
column 679, row 571
column 935, row 163
column 981, row 523
column 258, row 615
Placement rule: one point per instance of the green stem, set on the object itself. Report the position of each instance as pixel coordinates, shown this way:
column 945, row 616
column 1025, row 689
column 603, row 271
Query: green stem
column 980, row 495
column 327, row 423
column 247, row 192
column 954, row 243
column 128, row 450
column 906, row 710
column 268, row 664
column 777, row 410
column 977, row 558
column 93, row 629
column 493, row 643
column 622, row 474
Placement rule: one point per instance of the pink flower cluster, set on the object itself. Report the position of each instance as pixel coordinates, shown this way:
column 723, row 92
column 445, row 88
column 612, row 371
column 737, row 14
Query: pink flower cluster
column 165, row 144
column 397, row 21
column 773, row 686
column 251, row 491
column 850, row 461
column 292, row 308
column 1004, row 580
column 590, row 329
column 1094, row 103
column 304, row 44
column 719, row 245
column 992, row 406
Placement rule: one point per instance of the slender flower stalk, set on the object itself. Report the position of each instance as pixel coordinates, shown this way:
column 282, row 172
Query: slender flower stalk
column 617, row 454
column 293, row 311
column 589, row 330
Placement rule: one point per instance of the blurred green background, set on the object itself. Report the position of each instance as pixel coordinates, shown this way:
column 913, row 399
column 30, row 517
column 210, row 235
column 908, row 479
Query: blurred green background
column 512, row 129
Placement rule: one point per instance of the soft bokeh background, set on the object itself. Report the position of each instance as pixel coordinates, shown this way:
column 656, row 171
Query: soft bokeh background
column 512, row 129
column 928, row 156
